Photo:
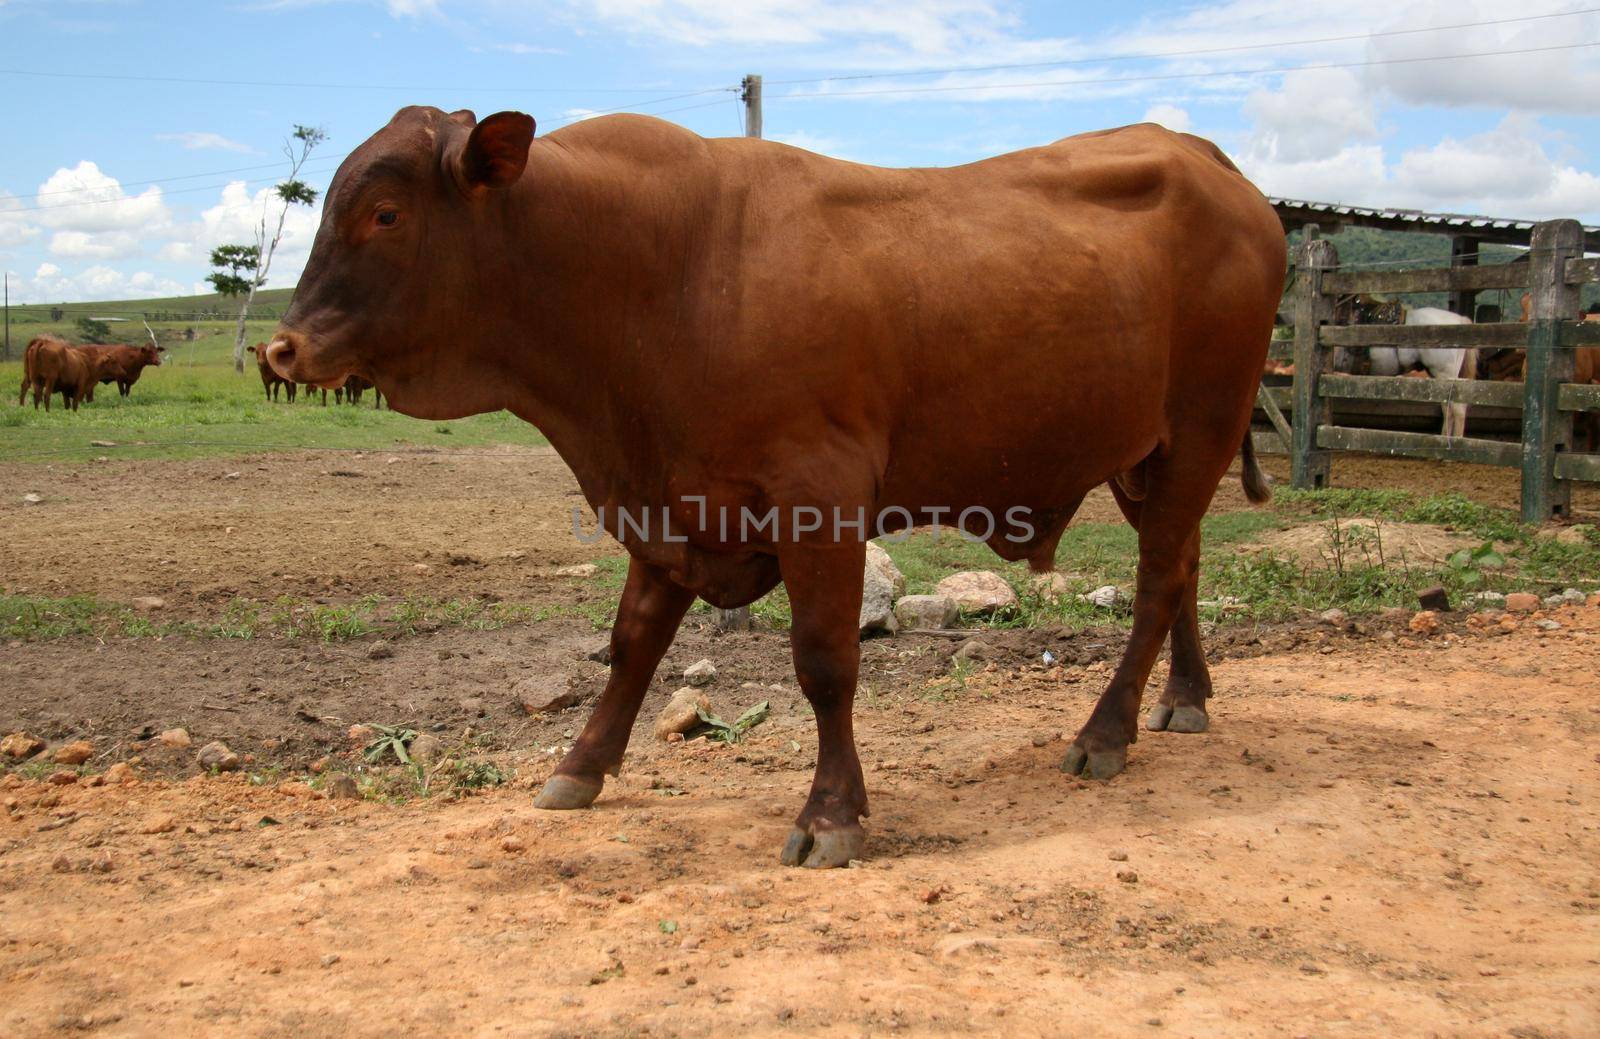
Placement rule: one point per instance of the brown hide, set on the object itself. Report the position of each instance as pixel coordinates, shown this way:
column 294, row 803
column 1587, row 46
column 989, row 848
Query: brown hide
column 757, row 326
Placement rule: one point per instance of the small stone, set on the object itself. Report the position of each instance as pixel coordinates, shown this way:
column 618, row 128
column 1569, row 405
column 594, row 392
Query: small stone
column 927, row 612
column 1052, row 585
column 31, row 499
column 546, row 693
column 63, row 778
column 295, row 789
column 321, row 765
column 512, row 845
column 161, row 823
column 20, row 745
column 178, row 738
column 1435, row 599
column 1488, row 598
column 972, row 649
column 217, row 756
column 149, row 603
column 700, row 673
column 360, row 734
column 1117, row 856
column 61, row 864
column 1127, row 876
column 599, row 652
column 977, row 591
column 882, row 583
column 330, row 959
column 584, row 570
column 380, row 651
column 1106, row 597
column 421, row 568
column 1043, row 739
column 1548, row 625
column 74, row 753
column 1334, row 617
column 1424, row 622
column 1522, row 602
column 682, row 713
column 121, row 773
column 426, row 749
column 341, row 787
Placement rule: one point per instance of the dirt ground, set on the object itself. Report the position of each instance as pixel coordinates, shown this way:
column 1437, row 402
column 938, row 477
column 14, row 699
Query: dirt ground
column 337, row 525
column 1364, row 844
column 1383, row 833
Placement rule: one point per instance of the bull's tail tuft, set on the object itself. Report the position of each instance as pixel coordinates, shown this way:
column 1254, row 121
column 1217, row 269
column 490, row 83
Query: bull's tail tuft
column 1257, row 486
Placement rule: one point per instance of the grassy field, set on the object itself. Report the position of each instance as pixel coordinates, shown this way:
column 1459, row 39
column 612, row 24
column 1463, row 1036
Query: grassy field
column 195, row 405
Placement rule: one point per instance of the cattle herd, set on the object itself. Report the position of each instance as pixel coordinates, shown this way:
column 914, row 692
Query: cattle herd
column 51, row 365
column 348, row 391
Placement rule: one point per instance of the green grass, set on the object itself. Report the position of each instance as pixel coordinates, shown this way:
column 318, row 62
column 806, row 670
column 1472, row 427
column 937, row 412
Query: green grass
column 195, row 405
column 38, row 618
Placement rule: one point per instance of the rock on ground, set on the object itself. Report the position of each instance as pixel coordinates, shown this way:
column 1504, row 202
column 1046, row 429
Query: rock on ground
column 216, row 755
column 578, row 570
column 341, row 787
column 426, row 749
column 1522, row 602
column 925, row 611
column 546, row 693
column 20, row 745
column 977, row 591
column 700, row 673
column 1107, row 597
column 74, row 753
column 882, row 584
column 175, row 738
column 1050, row 586
column 682, row 712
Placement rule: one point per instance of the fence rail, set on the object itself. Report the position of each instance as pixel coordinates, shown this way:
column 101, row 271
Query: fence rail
column 1552, row 274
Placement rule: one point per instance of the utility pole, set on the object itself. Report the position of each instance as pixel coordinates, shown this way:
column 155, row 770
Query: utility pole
column 8, row 315
column 750, row 94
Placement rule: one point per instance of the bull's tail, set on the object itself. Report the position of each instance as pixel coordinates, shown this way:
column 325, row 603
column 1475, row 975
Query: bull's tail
column 1256, row 485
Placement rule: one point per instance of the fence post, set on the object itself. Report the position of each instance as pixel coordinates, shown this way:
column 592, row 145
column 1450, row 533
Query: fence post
column 1308, row 465
column 1546, row 430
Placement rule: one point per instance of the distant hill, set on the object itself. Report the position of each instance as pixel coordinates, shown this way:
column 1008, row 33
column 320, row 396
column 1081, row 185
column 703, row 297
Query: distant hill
column 269, row 305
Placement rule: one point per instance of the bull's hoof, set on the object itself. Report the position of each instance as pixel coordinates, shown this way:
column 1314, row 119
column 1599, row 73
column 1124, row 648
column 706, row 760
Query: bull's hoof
column 1094, row 764
column 1182, row 718
column 562, row 793
column 829, row 847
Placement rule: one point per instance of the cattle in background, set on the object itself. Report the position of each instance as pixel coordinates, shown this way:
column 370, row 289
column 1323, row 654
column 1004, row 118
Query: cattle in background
column 814, row 336
column 355, row 386
column 1438, row 363
column 53, row 366
column 123, row 364
column 271, row 381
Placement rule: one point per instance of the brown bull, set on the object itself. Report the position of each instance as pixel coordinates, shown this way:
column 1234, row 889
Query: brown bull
column 51, row 366
column 713, row 330
column 271, row 381
column 122, row 364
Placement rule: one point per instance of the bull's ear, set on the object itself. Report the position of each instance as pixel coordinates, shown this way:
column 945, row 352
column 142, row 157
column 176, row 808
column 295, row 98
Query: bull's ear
column 464, row 117
column 497, row 150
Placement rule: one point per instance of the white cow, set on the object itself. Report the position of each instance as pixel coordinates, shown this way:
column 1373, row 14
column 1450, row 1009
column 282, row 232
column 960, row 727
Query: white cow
column 1440, row 363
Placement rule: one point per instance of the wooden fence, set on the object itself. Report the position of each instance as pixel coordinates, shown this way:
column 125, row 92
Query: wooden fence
column 1553, row 274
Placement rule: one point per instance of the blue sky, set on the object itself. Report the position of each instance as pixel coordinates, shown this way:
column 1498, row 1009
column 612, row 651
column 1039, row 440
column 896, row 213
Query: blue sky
column 90, row 207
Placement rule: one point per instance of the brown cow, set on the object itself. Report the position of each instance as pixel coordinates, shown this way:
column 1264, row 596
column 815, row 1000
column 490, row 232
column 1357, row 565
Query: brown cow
column 271, row 380
column 52, row 366
column 123, row 364
column 1585, row 371
column 741, row 330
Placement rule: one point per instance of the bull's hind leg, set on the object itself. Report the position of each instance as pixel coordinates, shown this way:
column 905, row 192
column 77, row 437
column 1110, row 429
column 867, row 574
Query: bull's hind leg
column 824, row 585
column 1179, row 490
column 1182, row 707
column 652, row 607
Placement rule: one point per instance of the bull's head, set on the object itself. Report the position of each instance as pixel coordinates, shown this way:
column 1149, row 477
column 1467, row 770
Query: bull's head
column 414, row 241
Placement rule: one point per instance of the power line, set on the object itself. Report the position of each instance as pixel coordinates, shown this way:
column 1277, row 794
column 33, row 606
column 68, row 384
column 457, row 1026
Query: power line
column 183, row 81
column 163, row 180
column 1159, row 55
column 1184, row 75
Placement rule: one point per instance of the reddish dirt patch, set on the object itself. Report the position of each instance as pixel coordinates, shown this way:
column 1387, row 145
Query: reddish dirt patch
column 1362, row 844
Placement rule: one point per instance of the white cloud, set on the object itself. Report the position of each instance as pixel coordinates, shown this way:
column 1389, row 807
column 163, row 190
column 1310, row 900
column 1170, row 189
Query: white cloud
column 50, row 284
column 201, row 140
column 1170, row 116
column 105, row 245
column 236, row 216
column 85, row 199
column 525, row 48
column 16, row 226
column 925, row 27
column 412, row 8
column 1311, row 117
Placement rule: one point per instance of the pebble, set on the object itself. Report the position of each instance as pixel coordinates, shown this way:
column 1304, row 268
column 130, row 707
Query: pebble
column 216, row 755
column 75, row 753
column 20, row 745
column 1522, row 602
column 1424, row 622
column 149, row 603
column 700, row 673
column 1118, row 856
column 1548, row 625
column 380, row 651
column 158, row 824
column 425, row 749
column 121, row 772
column 341, row 787
column 512, row 845
column 1334, row 617
column 174, row 738
column 681, row 713
column 1127, row 876
column 330, row 959
column 580, row 570
column 63, row 778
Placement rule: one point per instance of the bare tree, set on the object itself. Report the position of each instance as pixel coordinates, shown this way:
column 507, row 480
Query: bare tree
column 242, row 269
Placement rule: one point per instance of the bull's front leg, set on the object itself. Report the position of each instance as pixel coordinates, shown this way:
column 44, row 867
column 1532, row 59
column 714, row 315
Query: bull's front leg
column 824, row 585
column 652, row 607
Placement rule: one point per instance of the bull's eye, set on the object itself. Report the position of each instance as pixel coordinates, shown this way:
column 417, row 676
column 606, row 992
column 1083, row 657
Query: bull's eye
column 388, row 217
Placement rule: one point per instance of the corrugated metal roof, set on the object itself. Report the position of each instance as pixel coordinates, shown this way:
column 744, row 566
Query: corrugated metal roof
column 1296, row 212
